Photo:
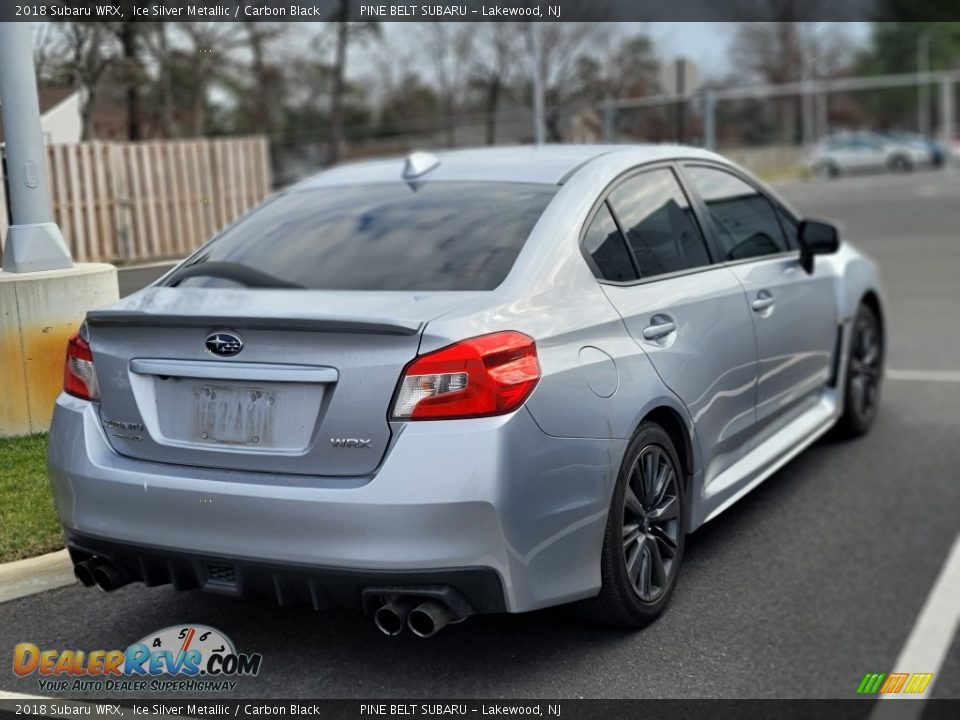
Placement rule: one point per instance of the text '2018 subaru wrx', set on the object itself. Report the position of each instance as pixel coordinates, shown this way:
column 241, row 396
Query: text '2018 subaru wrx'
column 482, row 381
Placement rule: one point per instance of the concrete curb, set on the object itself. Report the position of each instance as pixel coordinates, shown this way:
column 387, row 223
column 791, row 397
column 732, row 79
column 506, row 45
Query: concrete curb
column 34, row 575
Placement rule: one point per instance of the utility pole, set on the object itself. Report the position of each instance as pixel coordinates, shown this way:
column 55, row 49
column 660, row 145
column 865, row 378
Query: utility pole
column 923, row 86
column 680, row 108
column 34, row 242
column 946, row 118
column 710, row 120
column 609, row 121
column 806, row 97
column 533, row 45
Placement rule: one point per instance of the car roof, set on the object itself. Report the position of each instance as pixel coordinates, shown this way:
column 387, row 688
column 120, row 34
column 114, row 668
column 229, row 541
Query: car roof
column 551, row 164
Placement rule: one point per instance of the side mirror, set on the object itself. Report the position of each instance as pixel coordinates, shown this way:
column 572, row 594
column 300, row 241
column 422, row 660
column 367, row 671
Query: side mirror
column 816, row 238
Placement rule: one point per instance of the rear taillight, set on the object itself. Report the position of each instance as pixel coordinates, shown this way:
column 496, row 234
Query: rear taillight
column 79, row 375
column 486, row 375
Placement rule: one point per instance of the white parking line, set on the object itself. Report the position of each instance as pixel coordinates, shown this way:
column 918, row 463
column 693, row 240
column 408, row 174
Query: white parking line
column 930, row 639
column 147, row 265
column 935, row 376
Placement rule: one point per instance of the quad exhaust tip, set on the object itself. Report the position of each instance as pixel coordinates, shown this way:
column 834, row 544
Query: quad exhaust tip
column 101, row 573
column 424, row 617
column 391, row 618
column 428, row 618
column 83, row 571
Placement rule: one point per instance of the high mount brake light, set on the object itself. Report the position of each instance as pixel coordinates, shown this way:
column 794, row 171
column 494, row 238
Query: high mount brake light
column 487, row 375
column 79, row 374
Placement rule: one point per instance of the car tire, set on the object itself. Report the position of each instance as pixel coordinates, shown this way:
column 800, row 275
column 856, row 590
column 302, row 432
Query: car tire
column 864, row 375
column 644, row 537
column 900, row 164
column 828, row 170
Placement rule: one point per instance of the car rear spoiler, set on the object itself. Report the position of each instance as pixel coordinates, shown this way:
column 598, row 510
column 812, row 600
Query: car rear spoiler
column 375, row 326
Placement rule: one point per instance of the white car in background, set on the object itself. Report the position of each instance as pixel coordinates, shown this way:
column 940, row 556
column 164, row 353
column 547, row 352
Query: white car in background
column 855, row 152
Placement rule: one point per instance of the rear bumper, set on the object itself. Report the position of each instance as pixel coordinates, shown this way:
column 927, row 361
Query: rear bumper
column 494, row 496
column 290, row 584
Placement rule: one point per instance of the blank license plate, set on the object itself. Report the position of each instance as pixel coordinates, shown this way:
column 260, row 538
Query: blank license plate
column 234, row 415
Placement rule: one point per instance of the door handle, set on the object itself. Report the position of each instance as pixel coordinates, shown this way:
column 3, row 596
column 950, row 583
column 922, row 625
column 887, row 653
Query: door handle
column 659, row 329
column 763, row 302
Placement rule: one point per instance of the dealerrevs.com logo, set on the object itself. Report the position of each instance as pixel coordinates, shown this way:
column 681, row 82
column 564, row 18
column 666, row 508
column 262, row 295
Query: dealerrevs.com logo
column 180, row 658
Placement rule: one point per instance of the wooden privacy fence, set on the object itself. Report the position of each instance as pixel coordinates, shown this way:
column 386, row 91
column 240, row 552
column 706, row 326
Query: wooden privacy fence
column 132, row 202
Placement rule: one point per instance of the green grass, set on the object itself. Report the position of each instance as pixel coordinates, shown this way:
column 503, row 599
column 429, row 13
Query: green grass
column 28, row 521
column 793, row 172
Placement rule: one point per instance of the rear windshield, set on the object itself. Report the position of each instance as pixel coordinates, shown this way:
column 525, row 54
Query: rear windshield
column 391, row 236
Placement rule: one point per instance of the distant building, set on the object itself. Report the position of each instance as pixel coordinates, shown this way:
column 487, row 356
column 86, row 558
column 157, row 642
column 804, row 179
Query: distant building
column 59, row 114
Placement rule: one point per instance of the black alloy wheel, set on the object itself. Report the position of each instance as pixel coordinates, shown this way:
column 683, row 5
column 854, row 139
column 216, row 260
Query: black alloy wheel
column 864, row 374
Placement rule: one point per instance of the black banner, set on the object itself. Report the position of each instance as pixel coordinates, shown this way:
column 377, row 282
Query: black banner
column 860, row 709
column 472, row 10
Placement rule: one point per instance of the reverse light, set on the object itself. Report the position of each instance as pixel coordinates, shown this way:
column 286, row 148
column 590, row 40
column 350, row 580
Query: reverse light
column 486, row 375
column 79, row 374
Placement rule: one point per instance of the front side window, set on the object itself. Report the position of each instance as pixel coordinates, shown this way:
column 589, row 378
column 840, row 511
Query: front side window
column 745, row 220
column 790, row 228
column 659, row 224
column 387, row 236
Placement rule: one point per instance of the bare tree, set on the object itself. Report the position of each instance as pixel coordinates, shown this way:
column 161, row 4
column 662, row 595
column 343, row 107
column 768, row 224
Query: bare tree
column 450, row 47
column 499, row 48
column 563, row 45
column 129, row 35
column 345, row 32
column 788, row 47
column 339, row 71
column 88, row 51
column 209, row 43
column 156, row 42
column 406, row 103
column 44, row 49
column 784, row 52
column 265, row 105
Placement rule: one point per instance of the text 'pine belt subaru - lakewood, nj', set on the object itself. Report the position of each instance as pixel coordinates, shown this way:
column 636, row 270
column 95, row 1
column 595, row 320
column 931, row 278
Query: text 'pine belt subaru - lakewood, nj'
column 483, row 381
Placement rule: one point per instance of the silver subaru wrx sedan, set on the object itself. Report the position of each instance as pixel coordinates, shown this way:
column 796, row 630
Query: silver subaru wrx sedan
column 482, row 381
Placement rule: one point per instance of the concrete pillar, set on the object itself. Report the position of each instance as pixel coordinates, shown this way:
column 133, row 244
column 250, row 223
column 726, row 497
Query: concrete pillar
column 43, row 296
column 39, row 311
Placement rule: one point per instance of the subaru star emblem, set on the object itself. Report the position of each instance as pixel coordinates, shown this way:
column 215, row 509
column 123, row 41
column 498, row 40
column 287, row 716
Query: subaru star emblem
column 224, row 343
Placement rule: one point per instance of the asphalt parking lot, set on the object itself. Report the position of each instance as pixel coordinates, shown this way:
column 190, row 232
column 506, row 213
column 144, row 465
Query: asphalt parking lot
column 813, row 580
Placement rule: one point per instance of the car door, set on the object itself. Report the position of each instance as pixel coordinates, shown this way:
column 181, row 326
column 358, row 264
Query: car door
column 853, row 153
column 794, row 313
column 688, row 315
column 842, row 152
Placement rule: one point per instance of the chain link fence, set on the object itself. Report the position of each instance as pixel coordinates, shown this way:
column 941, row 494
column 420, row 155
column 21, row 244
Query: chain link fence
column 769, row 129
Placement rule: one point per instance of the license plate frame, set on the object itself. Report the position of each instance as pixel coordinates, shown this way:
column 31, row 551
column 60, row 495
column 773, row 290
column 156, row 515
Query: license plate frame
column 234, row 415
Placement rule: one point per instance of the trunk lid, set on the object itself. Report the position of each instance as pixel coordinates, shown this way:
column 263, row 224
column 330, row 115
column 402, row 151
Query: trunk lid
column 309, row 392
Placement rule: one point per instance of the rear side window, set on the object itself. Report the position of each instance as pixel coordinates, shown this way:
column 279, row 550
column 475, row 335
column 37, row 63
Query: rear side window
column 745, row 220
column 390, row 236
column 658, row 222
column 606, row 247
